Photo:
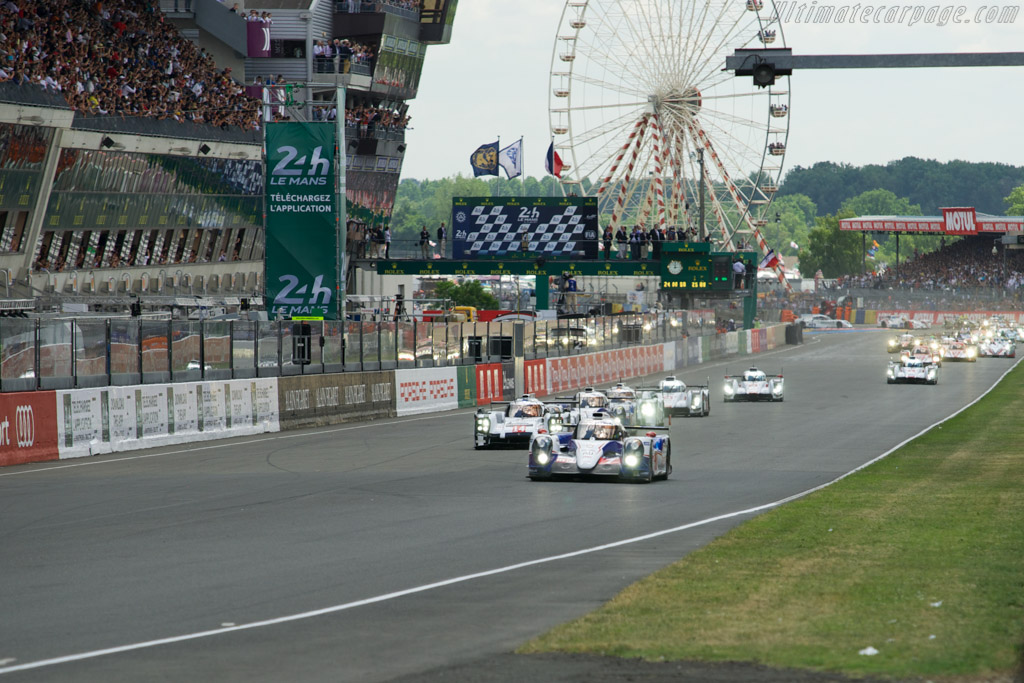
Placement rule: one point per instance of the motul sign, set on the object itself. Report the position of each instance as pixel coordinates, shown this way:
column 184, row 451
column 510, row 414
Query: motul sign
column 959, row 221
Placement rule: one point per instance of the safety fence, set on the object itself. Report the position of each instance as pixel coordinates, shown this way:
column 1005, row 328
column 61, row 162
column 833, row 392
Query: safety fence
column 45, row 425
column 71, row 353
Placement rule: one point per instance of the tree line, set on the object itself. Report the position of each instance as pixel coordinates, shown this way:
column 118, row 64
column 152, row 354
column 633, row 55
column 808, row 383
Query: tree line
column 803, row 219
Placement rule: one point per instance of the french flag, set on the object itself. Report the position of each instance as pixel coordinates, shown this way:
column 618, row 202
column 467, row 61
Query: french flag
column 770, row 260
column 553, row 162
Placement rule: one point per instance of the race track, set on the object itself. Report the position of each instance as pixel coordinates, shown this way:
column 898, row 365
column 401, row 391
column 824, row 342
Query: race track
column 369, row 552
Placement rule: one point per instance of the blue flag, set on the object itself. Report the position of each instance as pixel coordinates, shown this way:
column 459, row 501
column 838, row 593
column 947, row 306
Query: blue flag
column 485, row 160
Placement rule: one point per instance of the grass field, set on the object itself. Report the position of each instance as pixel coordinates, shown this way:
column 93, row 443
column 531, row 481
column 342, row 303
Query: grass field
column 919, row 556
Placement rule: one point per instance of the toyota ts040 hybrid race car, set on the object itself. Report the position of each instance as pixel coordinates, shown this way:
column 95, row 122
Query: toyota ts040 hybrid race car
column 601, row 447
column 753, row 385
column 910, row 369
column 693, row 400
column 515, row 422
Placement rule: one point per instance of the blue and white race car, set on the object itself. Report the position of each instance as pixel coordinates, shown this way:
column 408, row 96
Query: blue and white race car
column 753, row 385
column 680, row 399
column 601, row 447
column 515, row 422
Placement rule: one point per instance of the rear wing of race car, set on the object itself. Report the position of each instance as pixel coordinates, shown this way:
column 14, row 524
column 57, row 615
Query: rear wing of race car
column 767, row 375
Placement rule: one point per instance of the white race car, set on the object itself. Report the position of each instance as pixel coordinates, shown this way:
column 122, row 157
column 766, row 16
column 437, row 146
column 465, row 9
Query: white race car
column 515, row 422
column 753, row 385
column 601, row 447
column 622, row 404
column 588, row 402
column 997, row 347
column 912, row 369
column 693, row 400
column 957, row 350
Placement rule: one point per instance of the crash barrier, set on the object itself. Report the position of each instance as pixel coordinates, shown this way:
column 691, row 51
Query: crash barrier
column 318, row 400
column 79, row 353
column 427, row 390
column 28, row 427
column 46, row 425
column 110, row 419
column 794, row 334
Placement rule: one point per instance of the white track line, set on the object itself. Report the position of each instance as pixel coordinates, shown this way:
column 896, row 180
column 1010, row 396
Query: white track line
column 469, row 577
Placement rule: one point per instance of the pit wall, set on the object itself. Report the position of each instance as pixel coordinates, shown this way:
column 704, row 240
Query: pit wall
column 39, row 426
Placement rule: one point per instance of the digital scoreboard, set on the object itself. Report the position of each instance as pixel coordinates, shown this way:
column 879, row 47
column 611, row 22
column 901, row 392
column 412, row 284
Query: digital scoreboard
column 690, row 271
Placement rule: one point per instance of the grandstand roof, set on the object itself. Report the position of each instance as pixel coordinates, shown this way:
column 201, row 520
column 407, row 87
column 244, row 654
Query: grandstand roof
column 946, row 224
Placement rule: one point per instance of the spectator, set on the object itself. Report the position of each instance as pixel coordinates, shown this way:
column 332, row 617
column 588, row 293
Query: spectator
column 622, row 240
column 425, row 243
column 442, row 239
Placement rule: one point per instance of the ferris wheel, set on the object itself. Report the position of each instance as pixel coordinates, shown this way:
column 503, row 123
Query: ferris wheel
column 644, row 116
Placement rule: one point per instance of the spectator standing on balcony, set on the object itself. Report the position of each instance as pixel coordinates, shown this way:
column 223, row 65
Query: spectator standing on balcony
column 344, row 51
column 622, row 239
column 739, row 272
column 425, row 243
column 607, row 241
column 442, row 239
column 387, row 241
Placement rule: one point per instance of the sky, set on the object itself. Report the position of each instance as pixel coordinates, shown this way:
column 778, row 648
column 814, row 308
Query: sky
column 493, row 80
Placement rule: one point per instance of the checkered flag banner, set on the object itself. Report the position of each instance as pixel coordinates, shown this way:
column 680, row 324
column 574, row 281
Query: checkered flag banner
column 501, row 226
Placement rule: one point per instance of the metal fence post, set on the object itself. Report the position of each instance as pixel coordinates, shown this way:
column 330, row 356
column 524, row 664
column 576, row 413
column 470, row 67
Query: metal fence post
column 110, row 369
column 361, row 353
column 74, row 355
column 231, row 348
column 202, row 349
column 170, row 350
column 138, row 341
column 37, row 355
column 280, row 344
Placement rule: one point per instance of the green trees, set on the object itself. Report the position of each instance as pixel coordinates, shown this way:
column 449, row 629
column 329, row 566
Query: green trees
column 470, row 293
column 1015, row 202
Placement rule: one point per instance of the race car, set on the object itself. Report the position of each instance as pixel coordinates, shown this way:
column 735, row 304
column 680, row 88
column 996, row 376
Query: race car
column 515, row 422
column 602, row 447
column 957, row 350
column 997, row 346
column 589, row 401
column 753, row 385
column 622, row 403
column 912, row 370
column 650, row 407
column 924, row 353
column 901, row 343
column 693, row 400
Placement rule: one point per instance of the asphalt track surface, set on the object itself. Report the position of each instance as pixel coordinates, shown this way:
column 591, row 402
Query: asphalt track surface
column 393, row 550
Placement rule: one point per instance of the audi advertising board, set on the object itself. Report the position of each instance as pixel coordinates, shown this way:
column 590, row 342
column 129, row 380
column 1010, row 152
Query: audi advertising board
column 28, row 427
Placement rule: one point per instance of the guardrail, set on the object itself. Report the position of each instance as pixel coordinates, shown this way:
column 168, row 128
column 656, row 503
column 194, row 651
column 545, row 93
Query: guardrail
column 72, row 353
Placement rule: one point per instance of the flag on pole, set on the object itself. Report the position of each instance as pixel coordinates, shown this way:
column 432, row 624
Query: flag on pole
column 770, row 260
column 553, row 162
column 511, row 159
column 485, row 160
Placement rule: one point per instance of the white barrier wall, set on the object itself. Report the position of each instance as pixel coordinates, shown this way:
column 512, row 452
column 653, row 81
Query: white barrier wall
column 426, row 390
column 109, row 419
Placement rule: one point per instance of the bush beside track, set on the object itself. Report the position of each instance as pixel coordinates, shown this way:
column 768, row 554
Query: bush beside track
column 918, row 556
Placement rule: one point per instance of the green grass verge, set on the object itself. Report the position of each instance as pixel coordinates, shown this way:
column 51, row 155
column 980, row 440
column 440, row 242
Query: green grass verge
column 920, row 556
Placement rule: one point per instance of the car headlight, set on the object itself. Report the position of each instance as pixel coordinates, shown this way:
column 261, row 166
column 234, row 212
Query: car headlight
column 936, row 359
column 541, row 450
column 483, row 424
column 728, row 389
column 776, row 389
column 932, row 372
column 647, row 410
column 891, row 372
column 632, row 453
column 695, row 402
column 971, row 353
column 554, row 424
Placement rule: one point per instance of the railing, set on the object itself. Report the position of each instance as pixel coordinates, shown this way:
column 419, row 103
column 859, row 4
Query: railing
column 410, row 248
column 70, row 353
column 363, row 6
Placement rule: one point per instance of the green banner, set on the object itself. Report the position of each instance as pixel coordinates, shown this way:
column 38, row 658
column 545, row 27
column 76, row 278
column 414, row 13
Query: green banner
column 301, row 255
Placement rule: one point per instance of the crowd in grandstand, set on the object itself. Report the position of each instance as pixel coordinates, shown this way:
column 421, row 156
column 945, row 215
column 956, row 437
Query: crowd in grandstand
column 964, row 264
column 118, row 58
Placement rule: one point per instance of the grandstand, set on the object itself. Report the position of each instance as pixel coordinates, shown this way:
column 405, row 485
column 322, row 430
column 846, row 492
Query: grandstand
column 131, row 161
